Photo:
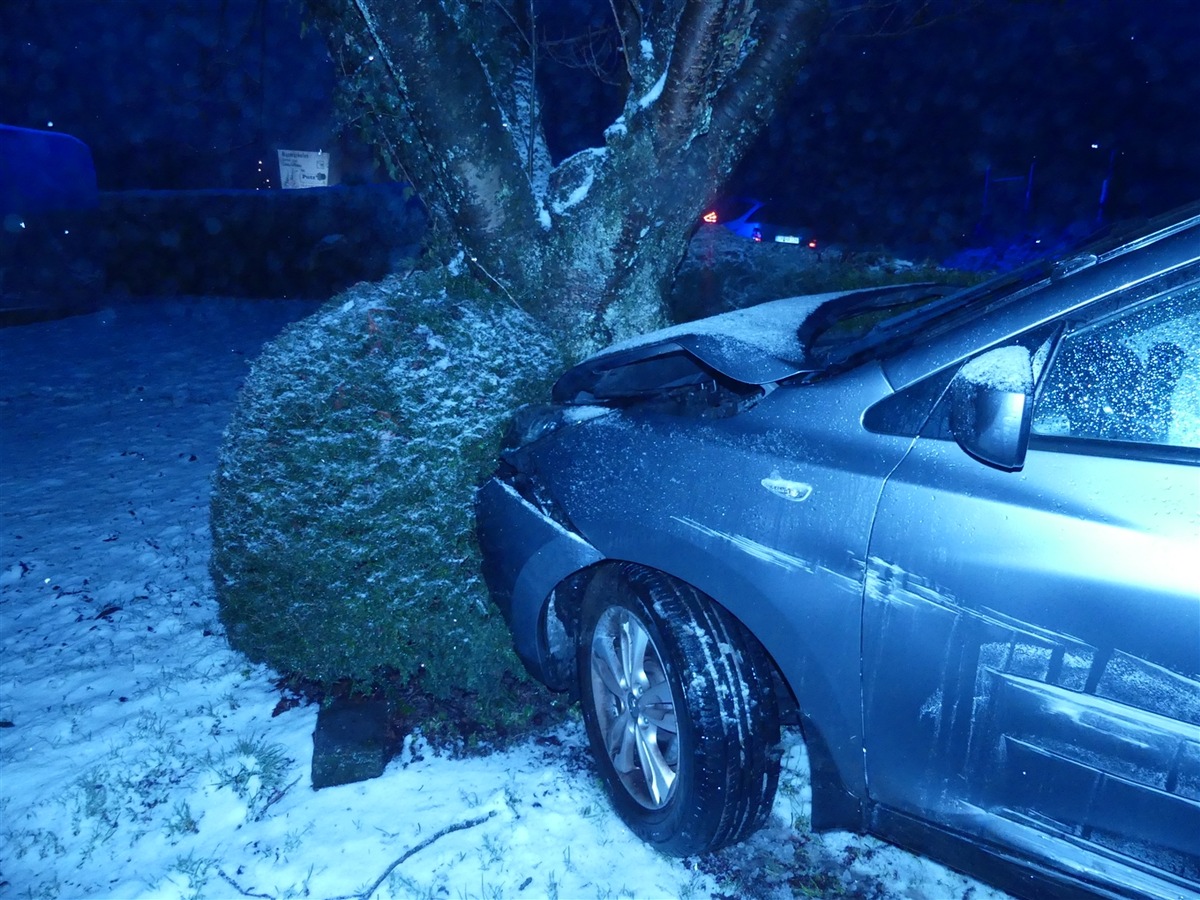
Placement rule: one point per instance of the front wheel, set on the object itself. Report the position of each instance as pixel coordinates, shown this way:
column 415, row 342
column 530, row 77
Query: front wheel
column 680, row 711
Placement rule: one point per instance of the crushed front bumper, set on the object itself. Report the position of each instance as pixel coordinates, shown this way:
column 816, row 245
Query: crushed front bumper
column 525, row 555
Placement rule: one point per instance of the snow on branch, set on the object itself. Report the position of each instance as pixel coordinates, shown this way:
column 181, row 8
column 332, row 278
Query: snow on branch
column 648, row 98
column 574, row 177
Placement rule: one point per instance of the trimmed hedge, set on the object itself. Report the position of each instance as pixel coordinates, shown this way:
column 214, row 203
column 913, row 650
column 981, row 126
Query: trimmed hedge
column 723, row 272
column 343, row 534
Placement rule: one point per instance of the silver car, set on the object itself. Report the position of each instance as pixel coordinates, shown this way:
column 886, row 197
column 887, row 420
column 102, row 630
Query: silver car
column 954, row 536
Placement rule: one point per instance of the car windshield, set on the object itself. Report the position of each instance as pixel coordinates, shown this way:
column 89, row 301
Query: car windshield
column 850, row 329
column 847, row 330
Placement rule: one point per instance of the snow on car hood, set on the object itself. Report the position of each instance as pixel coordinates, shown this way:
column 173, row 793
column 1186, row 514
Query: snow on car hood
column 757, row 345
column 770, row 327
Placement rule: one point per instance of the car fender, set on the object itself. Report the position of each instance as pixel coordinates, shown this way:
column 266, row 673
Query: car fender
column 824, row 681
column 552, row 556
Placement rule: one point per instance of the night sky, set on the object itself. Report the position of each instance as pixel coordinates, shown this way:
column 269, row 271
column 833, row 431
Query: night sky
column 894, row 135
column 888, row 137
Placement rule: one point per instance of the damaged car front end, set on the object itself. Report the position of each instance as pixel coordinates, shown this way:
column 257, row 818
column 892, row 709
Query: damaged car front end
column 951, row 535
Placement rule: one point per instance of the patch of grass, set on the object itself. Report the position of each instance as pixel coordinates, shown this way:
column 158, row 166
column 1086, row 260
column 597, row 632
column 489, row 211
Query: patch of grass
column 96, row 810
column 198, row 871
column 50, row 890
column 133, row 789
column 182, row 822
column 257, row 772
column 41, row 841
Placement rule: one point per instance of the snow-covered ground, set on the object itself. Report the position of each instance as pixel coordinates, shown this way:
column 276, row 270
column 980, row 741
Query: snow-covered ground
column 139, row 754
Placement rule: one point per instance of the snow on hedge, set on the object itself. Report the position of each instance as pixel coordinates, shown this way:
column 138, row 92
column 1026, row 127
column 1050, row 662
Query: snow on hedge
column 342, row 514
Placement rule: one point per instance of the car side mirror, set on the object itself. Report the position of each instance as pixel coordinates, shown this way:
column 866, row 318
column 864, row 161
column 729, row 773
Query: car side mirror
column 991, row 407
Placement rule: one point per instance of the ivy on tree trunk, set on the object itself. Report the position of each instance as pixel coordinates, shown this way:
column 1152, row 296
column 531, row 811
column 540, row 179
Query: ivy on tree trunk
column 447, row 91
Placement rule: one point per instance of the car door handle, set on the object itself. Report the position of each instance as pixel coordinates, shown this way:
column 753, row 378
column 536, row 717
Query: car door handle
column 795, row 491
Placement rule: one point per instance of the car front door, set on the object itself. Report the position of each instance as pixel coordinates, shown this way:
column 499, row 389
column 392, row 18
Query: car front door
column 1032, row 638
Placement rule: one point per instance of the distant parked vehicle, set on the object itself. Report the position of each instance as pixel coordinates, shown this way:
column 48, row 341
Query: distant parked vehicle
column 751, row 219
column 43, row 171
column 954, row 536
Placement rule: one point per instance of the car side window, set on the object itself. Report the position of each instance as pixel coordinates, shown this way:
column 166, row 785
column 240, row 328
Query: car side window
column 1132, row 377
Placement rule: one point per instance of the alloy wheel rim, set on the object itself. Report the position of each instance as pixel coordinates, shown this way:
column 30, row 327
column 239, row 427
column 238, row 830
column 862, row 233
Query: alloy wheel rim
column 634, row 708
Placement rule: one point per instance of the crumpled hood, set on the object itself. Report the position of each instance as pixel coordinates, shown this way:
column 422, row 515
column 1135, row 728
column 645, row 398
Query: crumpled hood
column 754, row 346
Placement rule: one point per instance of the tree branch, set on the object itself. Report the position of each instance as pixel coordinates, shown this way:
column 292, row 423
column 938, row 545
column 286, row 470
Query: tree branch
column 621, row 36
column 687, row 74
column 411, row 851
column 460, row 149
column 783, row 42
column 241, row 890
column 890, row 19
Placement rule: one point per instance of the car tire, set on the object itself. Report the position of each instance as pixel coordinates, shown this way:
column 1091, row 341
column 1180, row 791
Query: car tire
column 680, row 711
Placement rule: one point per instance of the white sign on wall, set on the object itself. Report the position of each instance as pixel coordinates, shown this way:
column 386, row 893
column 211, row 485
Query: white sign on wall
column 303, row 169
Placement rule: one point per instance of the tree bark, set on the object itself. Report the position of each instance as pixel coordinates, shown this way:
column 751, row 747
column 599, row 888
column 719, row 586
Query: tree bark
column 591, row 245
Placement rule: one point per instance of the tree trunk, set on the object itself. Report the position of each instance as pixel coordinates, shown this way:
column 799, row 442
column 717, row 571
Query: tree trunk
column 446, row 89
